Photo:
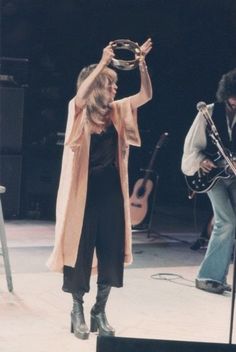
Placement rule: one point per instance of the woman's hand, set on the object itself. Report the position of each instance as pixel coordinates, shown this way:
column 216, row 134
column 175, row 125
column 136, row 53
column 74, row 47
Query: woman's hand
column 146, row 48
column 107, row 55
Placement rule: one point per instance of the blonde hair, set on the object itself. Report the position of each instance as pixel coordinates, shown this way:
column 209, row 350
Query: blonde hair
column 97, row 107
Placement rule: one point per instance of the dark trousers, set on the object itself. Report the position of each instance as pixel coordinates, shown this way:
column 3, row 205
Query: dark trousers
column 103, row 230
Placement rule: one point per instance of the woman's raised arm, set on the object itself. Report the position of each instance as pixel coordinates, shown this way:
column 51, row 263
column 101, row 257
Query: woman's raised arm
column 145, row 93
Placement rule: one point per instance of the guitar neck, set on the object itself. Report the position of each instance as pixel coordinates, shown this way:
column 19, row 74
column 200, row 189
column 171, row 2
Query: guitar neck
column 146, row 176
column 158, row 146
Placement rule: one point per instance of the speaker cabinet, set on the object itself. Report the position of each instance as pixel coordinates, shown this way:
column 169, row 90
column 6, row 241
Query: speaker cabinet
column 10, row 177
column 39, row 186
column 125, row 344
column 11, row 119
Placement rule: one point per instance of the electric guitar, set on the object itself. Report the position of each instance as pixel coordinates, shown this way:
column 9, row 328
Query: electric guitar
column 143, row 187
column 202, row 182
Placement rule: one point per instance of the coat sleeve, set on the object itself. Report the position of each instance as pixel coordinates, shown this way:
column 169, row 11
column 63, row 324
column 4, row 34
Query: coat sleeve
column 73, row 134
column 75, row 126
column 127, row 120
column 194, row 145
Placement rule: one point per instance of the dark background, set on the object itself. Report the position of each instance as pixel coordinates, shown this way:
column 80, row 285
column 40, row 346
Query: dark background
column 194, row 43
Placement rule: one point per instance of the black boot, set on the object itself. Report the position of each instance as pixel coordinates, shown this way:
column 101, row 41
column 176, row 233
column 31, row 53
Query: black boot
column 98, row 316
column 78, row 325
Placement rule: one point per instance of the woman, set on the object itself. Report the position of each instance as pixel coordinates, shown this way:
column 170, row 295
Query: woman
column 93, row 229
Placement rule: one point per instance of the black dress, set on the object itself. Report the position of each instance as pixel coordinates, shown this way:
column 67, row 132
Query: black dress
column 103, row 225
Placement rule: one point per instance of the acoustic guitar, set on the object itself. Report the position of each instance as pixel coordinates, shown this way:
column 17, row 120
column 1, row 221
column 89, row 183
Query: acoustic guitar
column 143, row 188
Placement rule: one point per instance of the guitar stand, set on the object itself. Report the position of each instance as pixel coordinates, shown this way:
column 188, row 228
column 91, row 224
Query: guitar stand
column 148, row 228
column 154, row 233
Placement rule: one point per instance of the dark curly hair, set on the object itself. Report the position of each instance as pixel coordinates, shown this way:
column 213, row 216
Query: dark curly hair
column 227, row 86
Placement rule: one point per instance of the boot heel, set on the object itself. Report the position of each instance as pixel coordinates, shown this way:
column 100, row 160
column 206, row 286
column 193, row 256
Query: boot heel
column 93, row 324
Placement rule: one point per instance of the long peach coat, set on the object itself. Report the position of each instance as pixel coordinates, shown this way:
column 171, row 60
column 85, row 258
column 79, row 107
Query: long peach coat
column 72, row 191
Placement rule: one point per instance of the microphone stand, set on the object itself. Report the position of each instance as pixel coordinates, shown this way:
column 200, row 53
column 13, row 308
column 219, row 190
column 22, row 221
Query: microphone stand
column 217, row 141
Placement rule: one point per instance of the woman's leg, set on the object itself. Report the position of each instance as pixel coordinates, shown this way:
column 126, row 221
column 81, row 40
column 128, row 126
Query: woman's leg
column 77, row 279
column 111, row 233
column 109, row 248
column 98, row 315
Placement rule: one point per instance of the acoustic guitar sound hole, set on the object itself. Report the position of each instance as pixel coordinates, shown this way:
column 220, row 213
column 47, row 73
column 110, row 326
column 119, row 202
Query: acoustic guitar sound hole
column 141, row 192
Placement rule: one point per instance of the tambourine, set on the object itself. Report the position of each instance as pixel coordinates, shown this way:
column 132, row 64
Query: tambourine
column 133, row 47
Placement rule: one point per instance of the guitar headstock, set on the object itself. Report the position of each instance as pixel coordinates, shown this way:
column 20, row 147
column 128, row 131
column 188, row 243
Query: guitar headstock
column 162, row 140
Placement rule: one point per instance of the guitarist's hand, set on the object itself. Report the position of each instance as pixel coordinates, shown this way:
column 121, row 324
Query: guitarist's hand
column 207, row 165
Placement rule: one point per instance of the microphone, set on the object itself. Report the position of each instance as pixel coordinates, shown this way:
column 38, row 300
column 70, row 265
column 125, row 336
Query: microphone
column 201, row 105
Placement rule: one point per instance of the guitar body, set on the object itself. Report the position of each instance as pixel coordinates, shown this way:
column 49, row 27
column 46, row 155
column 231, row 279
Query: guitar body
column 139, row 200
column 202, row 182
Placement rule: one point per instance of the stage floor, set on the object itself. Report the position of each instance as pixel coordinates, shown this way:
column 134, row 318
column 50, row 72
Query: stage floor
column 158, row 300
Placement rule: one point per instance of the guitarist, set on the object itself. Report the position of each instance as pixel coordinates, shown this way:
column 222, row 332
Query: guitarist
column 198, row 146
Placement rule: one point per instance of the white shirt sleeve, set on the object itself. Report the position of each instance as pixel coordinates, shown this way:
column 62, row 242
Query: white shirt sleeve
column 194, row 145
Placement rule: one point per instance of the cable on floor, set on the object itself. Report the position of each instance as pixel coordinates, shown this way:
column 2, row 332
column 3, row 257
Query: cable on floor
column 171, row 277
